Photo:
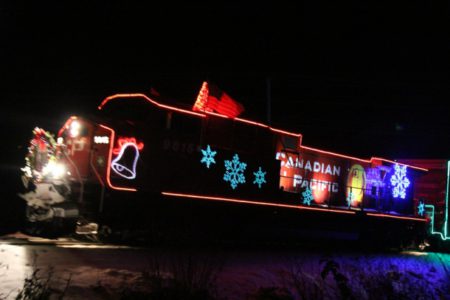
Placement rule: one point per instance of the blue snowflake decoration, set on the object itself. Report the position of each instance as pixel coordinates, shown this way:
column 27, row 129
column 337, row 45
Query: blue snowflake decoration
column 234, row 171
column 350, row 198
column 259, row 177
column 307, row 196
column 208, row 156
column 421, row 209
column 399, row 181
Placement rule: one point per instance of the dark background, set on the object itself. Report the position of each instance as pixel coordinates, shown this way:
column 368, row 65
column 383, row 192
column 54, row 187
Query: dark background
column 358, row 78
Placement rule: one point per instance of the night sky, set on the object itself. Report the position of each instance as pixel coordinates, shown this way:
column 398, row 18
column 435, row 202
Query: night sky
column 354, row 78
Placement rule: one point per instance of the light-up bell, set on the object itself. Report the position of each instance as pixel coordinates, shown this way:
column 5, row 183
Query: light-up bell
column 125, row 162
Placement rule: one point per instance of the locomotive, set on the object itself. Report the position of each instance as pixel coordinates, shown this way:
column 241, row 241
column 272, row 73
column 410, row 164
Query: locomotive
column 140, row 159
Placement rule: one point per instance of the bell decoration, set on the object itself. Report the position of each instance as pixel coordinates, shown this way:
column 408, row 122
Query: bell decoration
column 125, row 162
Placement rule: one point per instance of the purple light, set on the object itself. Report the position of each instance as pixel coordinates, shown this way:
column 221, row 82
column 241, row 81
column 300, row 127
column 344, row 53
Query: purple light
column 399, row 181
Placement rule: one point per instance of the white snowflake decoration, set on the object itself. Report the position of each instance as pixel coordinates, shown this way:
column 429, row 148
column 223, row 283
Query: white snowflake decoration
column 259, row 177
column 307, row 196
column 421, row 209
column 399, row 181
column 208, row 156
column 234, row 171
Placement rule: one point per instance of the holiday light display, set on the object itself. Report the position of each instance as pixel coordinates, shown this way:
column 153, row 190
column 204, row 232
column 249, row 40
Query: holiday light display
column 125, row 162
column 443, row 233
column 41, row 157
column 308, row 196
column 208, row 156
column 421, row 209
column 399, row 181
column 234, row 171
column 350, row 198
column 121, row 141
column 181, row 144
column 259, row 177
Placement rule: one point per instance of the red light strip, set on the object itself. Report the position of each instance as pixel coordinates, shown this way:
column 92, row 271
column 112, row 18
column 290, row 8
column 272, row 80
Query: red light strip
column 335, row 154
column 285, row 132
column 396, row 217
column 216, row 114
column 267, row 126
column 255, row 202
column 66, row 125
column 138, row 95
column 283, row 205
column 108, row 167
column 394, row 162
column 361, row 160
column 151, row 101
column 252, row 122
column 203, row 115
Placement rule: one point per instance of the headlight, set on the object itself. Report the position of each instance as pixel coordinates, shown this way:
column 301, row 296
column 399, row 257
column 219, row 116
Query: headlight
column 74, row 128
column 54, row 170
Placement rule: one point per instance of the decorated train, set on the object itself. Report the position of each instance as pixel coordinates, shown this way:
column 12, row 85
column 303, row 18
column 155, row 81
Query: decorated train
column 138, row 158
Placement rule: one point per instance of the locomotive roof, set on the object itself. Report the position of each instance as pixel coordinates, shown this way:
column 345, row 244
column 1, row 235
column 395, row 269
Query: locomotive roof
column 376, row 160
column 189, row 112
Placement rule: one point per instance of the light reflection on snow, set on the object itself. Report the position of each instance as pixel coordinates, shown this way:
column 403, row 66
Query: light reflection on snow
column 417, row 274
column 415, row 253
column 15, row 267
column 94, row 246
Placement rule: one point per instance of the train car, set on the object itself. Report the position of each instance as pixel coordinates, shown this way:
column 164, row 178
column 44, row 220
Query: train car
column 432, row 192
column 140, row 159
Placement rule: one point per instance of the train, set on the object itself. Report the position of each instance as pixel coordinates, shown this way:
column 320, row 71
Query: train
column 140, row 159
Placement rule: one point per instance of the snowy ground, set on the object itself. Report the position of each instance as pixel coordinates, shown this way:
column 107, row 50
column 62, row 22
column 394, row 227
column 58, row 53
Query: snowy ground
column 82, row 270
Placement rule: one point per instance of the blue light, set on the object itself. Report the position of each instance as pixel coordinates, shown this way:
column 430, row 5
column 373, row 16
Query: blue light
column 421, row 208
column 208, row 156
column 259, row 177
column 350, row 198
column 307, row 196
column 399, row 181
column 234, row 171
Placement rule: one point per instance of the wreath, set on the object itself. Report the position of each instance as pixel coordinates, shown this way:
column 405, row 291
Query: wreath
column 41, row 151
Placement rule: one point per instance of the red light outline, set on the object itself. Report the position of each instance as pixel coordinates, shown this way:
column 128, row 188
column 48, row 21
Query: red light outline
column 108, row 168
column 66, row 125
column 396, row 217
column 360, row 159
column 203, row 115
column 286, row 132
column 217, row 115
column 242, row 201
column 138, row 95
column 251, row 122
column 335, row 154
column 123, row 140
column 394, row 162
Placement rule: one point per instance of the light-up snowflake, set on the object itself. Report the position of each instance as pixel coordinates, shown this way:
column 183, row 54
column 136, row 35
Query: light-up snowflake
column 399, row 181
column 259, row 177
column 234, row 171
column 307, row 196
column 421, row 208
column 350, row 198
column 208, row 156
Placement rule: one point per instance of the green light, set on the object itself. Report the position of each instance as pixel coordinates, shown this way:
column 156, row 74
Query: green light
column 445, row 226
column 446, row 200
